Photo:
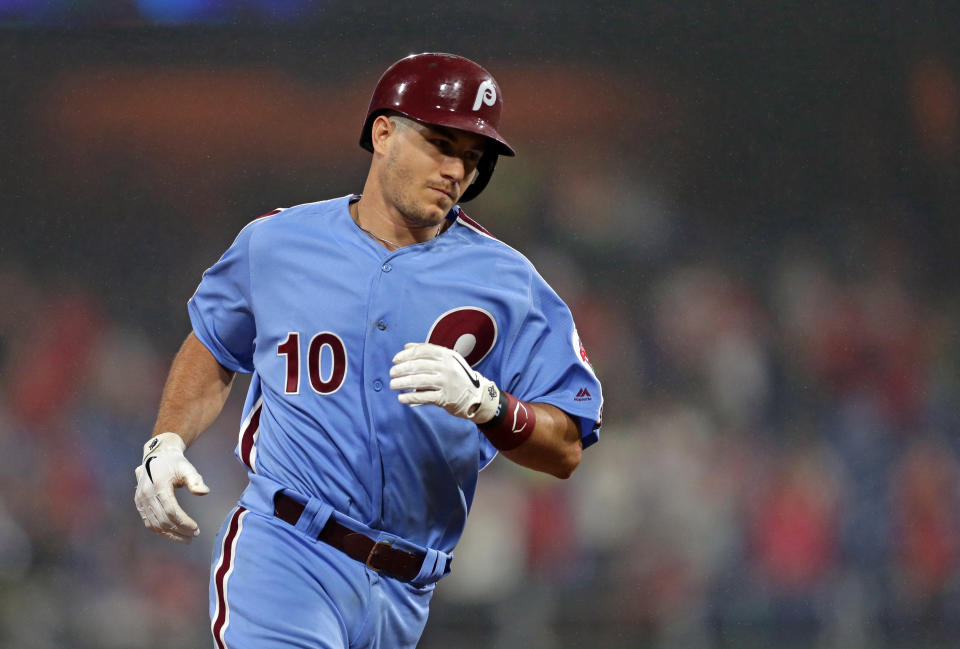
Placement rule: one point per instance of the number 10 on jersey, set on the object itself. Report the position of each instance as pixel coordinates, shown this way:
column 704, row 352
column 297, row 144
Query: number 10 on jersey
column 326, row 356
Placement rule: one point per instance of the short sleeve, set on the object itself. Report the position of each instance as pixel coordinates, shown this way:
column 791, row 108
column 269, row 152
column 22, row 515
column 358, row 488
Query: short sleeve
column 546, row 362
column 220, row 309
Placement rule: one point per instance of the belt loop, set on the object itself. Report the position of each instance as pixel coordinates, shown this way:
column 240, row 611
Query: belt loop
column 315, row 515
column 435, row 565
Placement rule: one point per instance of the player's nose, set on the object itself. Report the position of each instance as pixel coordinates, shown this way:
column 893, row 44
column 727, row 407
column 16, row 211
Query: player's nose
column 453, row 168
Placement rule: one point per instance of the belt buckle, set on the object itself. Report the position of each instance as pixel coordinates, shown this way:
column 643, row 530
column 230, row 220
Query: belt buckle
column 373, row 552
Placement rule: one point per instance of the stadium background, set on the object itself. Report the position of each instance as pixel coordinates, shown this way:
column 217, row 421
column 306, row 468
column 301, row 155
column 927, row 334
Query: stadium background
column 752, row 211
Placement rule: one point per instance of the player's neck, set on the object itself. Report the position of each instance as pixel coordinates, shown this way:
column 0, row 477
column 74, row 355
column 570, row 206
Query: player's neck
column 387, row 226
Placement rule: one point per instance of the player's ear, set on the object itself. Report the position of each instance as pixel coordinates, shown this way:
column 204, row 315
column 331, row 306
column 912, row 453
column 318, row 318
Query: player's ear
column 380, row 131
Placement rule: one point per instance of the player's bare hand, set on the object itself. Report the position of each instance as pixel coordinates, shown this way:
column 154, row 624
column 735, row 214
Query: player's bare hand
column 428, row 373
column 164, row 467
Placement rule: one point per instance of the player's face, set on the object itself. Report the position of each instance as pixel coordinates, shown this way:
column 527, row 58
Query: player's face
column 428, row 168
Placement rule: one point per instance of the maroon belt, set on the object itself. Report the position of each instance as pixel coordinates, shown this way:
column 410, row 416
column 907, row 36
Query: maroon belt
column 376, row 555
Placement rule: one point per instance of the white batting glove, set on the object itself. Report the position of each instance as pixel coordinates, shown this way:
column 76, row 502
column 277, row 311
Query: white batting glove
column 441, row 376
column 164, row 467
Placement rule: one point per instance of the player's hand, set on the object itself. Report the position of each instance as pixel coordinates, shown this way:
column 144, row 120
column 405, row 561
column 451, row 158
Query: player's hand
column 164, row 467
column 438, row 375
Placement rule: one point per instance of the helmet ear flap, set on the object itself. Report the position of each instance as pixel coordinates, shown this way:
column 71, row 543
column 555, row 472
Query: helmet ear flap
column 484, row 171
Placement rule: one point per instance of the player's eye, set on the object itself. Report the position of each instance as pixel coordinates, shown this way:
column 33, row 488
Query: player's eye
column 441, row 144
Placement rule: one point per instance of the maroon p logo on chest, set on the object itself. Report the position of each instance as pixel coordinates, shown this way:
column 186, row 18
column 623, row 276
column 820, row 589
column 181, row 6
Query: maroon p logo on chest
column 468, row 330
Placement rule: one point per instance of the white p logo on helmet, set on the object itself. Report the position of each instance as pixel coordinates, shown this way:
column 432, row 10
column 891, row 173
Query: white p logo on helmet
column 486, row 94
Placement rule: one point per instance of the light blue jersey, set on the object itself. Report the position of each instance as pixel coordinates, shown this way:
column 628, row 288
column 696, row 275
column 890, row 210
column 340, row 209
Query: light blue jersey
column 316, row 310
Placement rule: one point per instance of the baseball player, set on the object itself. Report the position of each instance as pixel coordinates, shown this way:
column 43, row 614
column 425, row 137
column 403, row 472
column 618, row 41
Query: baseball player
column 395, row 347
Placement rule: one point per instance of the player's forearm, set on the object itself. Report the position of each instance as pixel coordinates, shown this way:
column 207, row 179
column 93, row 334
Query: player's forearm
column 553, row 447
column 196, row 389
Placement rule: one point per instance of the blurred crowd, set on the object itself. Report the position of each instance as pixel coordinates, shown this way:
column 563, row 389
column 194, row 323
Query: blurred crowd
column 780, row 459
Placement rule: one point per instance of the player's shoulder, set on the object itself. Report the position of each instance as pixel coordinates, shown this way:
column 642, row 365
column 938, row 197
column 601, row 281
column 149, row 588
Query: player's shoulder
column 283, row 216
column 511, row 265
column 476, row 234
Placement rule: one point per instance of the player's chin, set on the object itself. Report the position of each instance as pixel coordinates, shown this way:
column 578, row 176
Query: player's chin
column 442, row 199
column 436, row 209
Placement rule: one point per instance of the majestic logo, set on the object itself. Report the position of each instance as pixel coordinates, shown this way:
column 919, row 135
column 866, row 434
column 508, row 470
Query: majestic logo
column 486, row 94
column 583, row 395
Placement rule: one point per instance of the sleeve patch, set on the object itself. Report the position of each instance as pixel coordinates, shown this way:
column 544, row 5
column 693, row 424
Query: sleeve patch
column 581, row 352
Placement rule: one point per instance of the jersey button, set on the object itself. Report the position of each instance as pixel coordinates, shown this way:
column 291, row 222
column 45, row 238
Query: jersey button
column 386, row 268
column 381, row 325
column 378, row 385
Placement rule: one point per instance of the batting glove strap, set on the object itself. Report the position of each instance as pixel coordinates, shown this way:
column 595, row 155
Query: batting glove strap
column 512, row 423
column 162, row 443
column 425, row 373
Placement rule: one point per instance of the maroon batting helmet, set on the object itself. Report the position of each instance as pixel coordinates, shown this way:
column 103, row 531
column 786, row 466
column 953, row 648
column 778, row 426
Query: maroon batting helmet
column 446, row 90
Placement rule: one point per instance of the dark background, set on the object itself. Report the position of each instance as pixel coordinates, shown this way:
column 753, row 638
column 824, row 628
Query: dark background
column 750, row 208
